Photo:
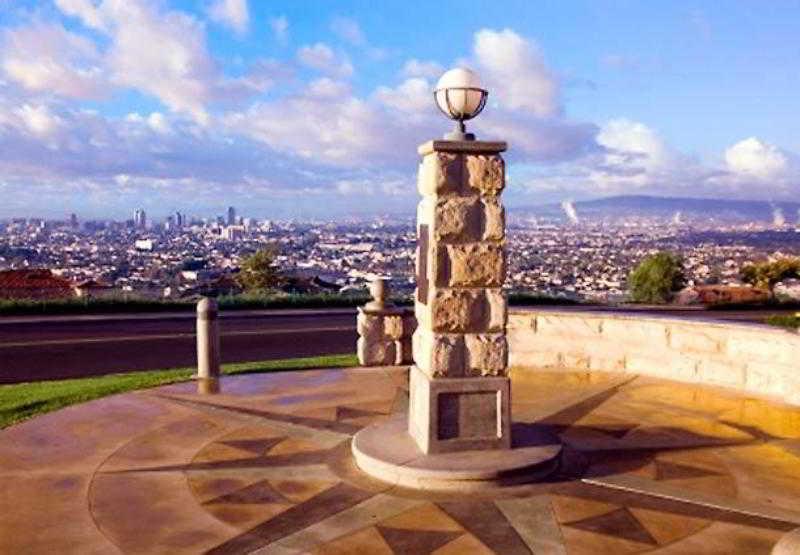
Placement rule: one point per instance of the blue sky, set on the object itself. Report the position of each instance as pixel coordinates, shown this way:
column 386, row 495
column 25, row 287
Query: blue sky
column 313, row 109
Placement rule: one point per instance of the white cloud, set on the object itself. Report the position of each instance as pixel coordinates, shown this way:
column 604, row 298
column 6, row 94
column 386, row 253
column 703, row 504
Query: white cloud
column 159, row 123
column 85, row 10
column 412, row 96
column 348, row 30
column 280, row 28
column 38, row 120
column 427, row 69
column 755, row 158
column 534, row 139
column 632, row 143
column 326, row 87
column 516, row 73
column 48, row 58
column 342, row 131
column 163, row 54
column 321, row 57
column 231, row 13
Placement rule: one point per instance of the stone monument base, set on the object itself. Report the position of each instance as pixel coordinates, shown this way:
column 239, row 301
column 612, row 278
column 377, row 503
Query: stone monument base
column 459, row 414
column 387, row 451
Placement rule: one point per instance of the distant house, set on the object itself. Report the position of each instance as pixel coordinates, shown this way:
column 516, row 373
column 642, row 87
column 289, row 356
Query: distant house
column 92, row 289
column 34, row 284
column 721, row 294
column 297, row 282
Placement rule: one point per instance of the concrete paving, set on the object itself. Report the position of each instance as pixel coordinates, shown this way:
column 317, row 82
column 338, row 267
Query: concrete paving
column 265, row 467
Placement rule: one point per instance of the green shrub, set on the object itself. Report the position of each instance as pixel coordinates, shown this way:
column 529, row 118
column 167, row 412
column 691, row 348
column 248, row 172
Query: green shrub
column 657, row 278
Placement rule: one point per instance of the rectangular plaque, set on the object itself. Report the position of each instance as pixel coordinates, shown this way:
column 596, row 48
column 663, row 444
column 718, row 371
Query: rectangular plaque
column 468, row 415
column 422, row 266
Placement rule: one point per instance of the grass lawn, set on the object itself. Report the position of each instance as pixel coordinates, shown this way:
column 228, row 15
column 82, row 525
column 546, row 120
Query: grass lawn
column 25, row 400
column 784, row 320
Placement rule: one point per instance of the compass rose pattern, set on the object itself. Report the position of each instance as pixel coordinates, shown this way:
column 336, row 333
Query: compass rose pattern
column 265, row 467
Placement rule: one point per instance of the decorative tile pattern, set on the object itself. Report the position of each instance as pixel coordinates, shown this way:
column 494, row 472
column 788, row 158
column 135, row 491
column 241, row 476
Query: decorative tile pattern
column 649, row 465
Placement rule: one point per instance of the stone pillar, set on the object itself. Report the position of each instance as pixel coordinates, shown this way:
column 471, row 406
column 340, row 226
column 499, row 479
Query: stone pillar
column 207, row 346
column 384, row 337
column 459, row 390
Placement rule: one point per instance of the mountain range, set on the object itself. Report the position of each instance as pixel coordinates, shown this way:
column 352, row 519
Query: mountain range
column 676, row 208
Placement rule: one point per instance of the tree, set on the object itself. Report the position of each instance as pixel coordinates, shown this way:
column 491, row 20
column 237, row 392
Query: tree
column 657, row 278
column 258, row 272
column 765, row 275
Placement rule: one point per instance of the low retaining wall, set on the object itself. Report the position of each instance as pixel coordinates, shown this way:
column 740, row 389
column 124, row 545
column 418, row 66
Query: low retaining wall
column 750, row 357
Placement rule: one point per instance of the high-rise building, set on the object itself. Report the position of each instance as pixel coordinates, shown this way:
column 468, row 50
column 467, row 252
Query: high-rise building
column 73, row 221
column 139, row 219
column 231, row 215
column 180, row 219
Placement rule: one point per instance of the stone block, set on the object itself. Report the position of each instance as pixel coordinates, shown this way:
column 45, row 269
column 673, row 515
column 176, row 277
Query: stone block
column 486, row 354
column 422, row 314
column 535, row 358
column 459, row 414
column 458, row 310
column 440, row 173
column 524, row 339
column 566, row 326
column 485, row 173
column 497, row 309
column 393, row 327
column 649, row 334
column 457, row 219
column 409, row 323
column 767, row 378
column 376, row 353
column 721, row 372
column 403, row 353
column 575, row 360
column 439, row 355
column 494, row 219
column 370, row 326
column 668, row 365
column 695, row 340
column 476, row 265
column 768, row 346
column 601, row 364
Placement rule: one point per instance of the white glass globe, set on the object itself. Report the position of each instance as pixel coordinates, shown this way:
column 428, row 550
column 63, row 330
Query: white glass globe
column 459, row 93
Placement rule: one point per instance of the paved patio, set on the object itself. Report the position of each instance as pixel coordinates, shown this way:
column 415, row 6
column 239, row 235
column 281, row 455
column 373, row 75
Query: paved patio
column 651, row 466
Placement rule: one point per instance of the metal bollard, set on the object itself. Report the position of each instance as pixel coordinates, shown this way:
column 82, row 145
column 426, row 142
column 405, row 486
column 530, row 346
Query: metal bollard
column 207, row 347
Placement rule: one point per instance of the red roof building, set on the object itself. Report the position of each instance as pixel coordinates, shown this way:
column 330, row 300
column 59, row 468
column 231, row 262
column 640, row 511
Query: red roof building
column 721, row 294
column 33, row 284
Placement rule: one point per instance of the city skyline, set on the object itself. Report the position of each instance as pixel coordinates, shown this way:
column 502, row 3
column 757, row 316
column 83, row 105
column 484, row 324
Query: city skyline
column 306, row 112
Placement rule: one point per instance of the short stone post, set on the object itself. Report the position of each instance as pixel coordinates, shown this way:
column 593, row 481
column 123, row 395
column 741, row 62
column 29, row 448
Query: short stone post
column 208, row 351
column 459, row 392
column 384, row 338
column 789, row 544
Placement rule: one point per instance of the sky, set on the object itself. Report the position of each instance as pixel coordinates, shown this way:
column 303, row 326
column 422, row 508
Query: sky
column 310, row 109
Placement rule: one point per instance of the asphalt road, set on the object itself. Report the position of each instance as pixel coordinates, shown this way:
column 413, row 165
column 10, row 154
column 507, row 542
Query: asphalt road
column 47, row 348
column 36, row 348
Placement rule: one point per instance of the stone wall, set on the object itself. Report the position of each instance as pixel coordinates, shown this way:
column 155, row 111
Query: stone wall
column 750, row 357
